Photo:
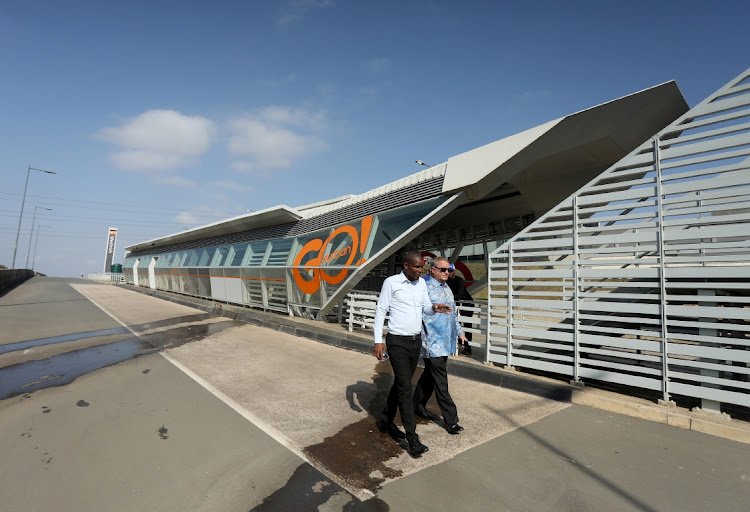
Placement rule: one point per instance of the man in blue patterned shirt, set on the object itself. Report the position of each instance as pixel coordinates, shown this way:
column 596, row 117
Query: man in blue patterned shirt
column 439, row 333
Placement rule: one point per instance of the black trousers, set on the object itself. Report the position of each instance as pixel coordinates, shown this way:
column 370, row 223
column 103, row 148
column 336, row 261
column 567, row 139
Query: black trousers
column 404, row 355
column 435, row 378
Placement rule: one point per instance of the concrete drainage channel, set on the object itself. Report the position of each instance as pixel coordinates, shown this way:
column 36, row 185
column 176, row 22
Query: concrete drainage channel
column 705, row 422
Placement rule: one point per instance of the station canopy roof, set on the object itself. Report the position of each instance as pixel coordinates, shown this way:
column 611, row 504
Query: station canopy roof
column 545, row 163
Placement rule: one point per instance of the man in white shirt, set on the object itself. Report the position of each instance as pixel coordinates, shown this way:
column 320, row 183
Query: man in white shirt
column 404, row 297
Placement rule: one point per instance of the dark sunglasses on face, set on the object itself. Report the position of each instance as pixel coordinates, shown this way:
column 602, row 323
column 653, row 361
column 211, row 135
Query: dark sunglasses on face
column 442, row 269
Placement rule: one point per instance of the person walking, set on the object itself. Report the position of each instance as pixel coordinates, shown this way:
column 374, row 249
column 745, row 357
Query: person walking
column 461, row 293
column 404, row 297
column 439, row 334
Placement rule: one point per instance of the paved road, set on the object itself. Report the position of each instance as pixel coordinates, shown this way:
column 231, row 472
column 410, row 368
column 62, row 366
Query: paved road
column 112, row 400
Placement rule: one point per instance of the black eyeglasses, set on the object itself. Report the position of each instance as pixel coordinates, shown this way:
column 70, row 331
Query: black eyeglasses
column 442, row 269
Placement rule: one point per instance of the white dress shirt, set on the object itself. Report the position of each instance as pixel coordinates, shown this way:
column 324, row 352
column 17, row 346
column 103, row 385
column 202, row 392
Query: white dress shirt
column 405, row 301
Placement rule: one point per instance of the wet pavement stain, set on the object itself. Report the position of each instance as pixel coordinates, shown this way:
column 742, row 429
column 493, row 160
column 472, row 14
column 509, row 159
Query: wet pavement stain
column 173, row 338
column 23, row 345
column 170, row 321
column 308, row 489
column 82, row 403
column 64, row 368
column 358, row 453
column 163, row 432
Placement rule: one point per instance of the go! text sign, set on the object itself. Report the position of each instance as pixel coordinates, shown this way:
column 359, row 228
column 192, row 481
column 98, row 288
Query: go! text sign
column 341, row 247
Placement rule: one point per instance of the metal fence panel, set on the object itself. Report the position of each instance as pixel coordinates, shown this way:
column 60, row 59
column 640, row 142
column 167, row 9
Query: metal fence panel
column 642, row 277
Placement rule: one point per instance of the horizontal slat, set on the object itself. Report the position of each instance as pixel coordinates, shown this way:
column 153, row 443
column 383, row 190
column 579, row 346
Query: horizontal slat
column 708, row 393
column 740, row 356
column 620, row 378
column 588, row 363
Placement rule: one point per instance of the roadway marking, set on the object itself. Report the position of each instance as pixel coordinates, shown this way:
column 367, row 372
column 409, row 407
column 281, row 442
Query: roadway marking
column 361, row 494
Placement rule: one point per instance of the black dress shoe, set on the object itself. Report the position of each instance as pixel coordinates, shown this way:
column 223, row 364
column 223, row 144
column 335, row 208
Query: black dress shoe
column 423, row 414
column 454, row 429
column 417, row 448
column 392, row 430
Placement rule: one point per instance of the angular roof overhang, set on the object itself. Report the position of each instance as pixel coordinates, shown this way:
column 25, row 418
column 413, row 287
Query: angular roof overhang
column 269, row 217
column 549, row 162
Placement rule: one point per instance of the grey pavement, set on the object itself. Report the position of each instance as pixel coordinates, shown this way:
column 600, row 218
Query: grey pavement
column 115, row 400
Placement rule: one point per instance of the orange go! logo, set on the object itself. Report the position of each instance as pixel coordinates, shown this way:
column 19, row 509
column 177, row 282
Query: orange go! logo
column 357, row 245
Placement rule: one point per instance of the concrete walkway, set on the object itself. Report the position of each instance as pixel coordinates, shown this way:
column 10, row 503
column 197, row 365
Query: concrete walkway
column 213, row 414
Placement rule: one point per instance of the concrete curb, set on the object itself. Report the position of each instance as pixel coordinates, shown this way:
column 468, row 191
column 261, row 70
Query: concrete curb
column 705, row 422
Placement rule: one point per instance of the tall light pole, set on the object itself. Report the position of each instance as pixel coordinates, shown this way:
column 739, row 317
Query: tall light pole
column 420, row 162
column 31, row 236
column 23, row 201
column 38, row 228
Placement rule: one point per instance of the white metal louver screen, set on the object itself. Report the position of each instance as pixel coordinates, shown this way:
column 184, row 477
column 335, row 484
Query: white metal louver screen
column 655, row 249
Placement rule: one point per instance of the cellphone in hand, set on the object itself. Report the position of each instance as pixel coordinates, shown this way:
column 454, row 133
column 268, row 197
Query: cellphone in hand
column 385, row 356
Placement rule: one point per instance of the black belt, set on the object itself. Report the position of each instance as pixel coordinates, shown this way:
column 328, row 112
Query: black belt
column 412, row 337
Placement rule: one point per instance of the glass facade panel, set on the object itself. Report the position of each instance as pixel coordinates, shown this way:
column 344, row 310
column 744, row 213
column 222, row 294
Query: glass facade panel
column 220, row 255
column 236, row 255
column 391, row 224
column 191, row 259
column 205, row 257
column 255, row 254
column 279, row 252
column 298, row 295
column 180, row 259
column 305, row 271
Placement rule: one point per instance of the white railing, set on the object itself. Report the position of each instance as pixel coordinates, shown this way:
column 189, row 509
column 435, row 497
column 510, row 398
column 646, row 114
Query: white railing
column 361, row 306
column 642, row 277
column 115, row 277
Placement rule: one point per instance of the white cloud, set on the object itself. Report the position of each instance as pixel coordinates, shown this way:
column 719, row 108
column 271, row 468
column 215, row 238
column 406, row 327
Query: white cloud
column 275, row 138
column 173, row 180
column 186, row 218
column 378, row 65
column 296, row 9
column 242, row 166
column 159, row 139
column 202, row 215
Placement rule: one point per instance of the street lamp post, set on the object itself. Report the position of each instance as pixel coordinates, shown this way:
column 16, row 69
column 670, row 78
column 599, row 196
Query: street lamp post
column 31, row 236
column 38, row 228
column 20, row 217
column 420, row 162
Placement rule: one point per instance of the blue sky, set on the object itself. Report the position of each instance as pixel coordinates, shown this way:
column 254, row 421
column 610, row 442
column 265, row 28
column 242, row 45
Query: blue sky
column 160, row 116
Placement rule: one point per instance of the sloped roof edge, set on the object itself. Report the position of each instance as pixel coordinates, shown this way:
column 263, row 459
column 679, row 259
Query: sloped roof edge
column 255, row 220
